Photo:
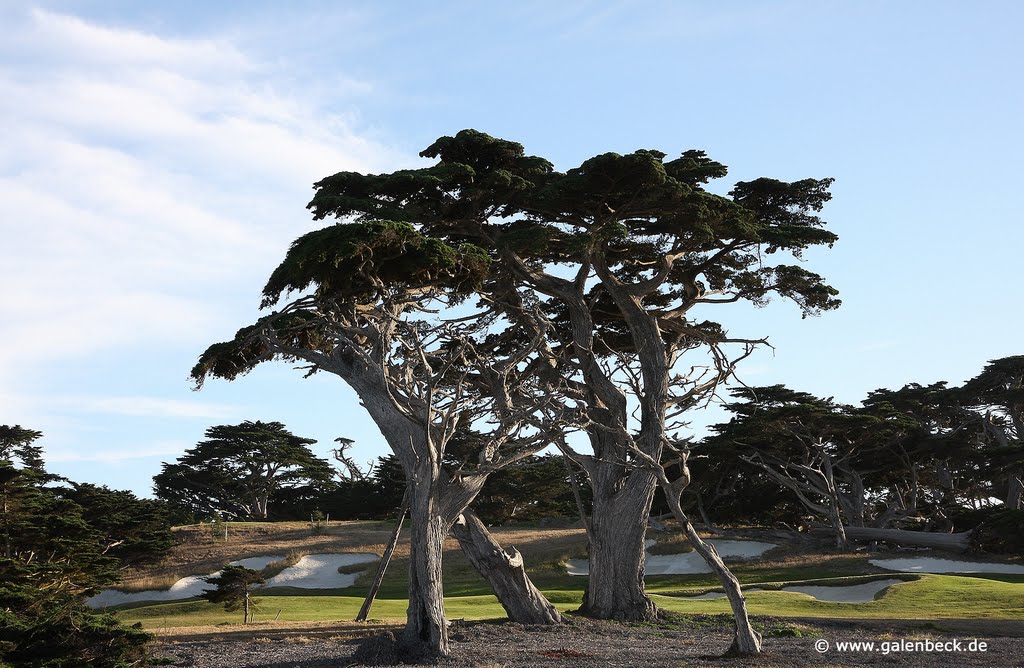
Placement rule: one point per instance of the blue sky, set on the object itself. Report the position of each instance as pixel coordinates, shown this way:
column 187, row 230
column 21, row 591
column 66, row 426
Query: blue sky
column 156, row 159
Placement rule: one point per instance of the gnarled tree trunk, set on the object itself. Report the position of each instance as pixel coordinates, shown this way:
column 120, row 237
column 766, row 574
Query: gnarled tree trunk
column 615, row 589
column 505, row 572
column 426, row 628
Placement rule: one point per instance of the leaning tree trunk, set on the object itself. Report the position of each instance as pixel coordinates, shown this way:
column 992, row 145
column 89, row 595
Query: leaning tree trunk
column 385, row 560
column 839, row 532
column 618, row 526
column 745, row 639
column 505, row 572
column 426, row 628
column 835, row 517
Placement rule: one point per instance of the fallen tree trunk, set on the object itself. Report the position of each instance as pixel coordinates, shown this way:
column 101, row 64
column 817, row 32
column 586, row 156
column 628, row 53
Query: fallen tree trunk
column 505, row 573
column 954, row 542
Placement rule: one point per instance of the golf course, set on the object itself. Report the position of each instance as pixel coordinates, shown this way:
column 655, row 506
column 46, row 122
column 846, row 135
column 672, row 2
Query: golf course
column 927, row 602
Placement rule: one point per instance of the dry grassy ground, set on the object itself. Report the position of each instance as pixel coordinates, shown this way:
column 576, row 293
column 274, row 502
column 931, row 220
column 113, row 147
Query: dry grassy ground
column 199, row 550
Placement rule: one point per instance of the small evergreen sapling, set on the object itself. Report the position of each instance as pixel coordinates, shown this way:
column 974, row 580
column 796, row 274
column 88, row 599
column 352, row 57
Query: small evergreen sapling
column 233, row 589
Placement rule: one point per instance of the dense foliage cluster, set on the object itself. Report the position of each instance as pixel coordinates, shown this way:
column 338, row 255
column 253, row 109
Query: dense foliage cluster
column 239, row 469
column 62, row 542
column 233, row 588
column 921, row 457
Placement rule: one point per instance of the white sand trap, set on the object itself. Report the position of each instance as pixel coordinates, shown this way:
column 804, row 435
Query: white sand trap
column 320, row 571
column 687, row 562
column 862, row 593
column 933, row 565
column 185, row 588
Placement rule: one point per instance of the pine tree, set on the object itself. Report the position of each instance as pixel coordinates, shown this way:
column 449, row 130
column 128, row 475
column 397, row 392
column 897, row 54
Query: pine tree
column 233, row 585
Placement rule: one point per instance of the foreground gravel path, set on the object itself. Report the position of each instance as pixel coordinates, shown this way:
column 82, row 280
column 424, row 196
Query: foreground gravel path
column 587, row 643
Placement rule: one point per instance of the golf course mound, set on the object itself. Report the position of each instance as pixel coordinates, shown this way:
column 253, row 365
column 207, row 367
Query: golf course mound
column 858, row 593
column 312, row 571
column 685, row 563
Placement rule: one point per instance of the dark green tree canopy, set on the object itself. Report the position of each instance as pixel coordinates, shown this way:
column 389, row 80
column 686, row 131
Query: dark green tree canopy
column 778, row 421
column 1000, row 388
column 361, row 261
column 363, row 275
column 649, row 220
column 53, row 557
column 237, row 470
column 232, row 587
column 135, row 531
column 17, row 446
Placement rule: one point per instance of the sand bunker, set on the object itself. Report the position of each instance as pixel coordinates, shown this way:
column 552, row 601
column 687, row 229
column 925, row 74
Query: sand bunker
column 320, row 571
column 314, row 571
column 188, row 587
column 861, row 593
column 933, row 565
column 688, row 562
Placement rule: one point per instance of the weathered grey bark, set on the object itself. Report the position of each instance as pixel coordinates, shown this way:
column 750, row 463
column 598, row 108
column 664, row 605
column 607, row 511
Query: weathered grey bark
column 818, row 482
column 823, row 482
column 434, row 504
column 615, row 586
column 385, row 559
column 504, row 571
column 622, row 494
column 955, row 542
column 745, row 639
column 852, row 502
column 426, row 631
column 426, row 628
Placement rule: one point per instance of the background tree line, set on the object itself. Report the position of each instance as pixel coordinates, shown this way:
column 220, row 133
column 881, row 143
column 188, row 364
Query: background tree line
column 927, row 458
column 257, row 470
column 923, row 458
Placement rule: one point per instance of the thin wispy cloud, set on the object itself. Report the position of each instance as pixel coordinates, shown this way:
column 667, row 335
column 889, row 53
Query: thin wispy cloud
column 148, row 185
column 113, row 456
column 142, row 178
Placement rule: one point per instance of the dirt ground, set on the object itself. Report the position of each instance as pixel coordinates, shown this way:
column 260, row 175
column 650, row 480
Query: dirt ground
column 697, row 641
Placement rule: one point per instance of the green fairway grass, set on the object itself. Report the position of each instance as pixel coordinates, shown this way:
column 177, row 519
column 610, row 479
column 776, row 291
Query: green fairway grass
column 929, row 597
column 468, row 596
